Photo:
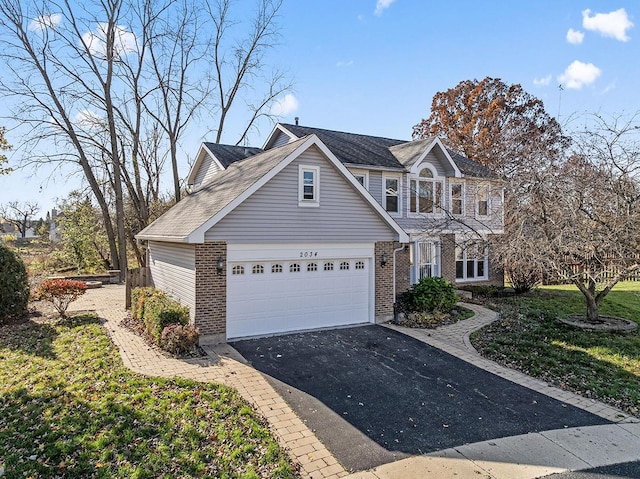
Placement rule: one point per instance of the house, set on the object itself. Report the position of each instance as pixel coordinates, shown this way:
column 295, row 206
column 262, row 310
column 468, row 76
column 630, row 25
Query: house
column 320, row 229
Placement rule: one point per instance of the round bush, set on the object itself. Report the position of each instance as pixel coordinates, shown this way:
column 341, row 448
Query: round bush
column 14, row 284
column 429, row 295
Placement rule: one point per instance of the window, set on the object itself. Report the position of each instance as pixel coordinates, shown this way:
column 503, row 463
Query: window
column 308, row 186
column 312, row 267
column 257, row 269
column 344, row 265
column 427, row 260
column 426, row 193
column 362, row 177
column 391, row 195
column 294, row 268
column 328, row 266
column 359, row 264
column 276, row 268
column 457, row 199
column 482, row 196
column 471, row 260
column 237, row 270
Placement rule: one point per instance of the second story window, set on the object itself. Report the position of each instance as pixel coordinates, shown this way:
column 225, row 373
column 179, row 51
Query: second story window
column 457, row 199
column 308, row 186
column 391, row 195
column 482, row 198
column 426, row 193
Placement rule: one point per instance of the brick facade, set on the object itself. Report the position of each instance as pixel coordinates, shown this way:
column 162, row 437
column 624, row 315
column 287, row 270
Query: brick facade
column 211, row 292
column 384, row 278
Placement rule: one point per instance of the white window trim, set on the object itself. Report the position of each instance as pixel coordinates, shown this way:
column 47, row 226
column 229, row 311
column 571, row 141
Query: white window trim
column 315, row 202
column 451, row 185
column 485, row 260
column 364, row 174
column 384, row 194
column 415, row 258
column 435, row 180
column 487, row 188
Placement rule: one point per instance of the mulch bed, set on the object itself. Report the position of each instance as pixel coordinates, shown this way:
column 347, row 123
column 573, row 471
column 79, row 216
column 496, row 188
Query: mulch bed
column 430, row 320
column 133, row 325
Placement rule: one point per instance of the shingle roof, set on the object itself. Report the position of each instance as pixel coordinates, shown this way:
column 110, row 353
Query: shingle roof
column 197, row 208
column 352, row 148
column 471, row 168
column 409, row 152
column 227, row 154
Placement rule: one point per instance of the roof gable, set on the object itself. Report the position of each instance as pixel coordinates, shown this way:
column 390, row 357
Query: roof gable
column 190, row 218
column 221, row 155
column 413, row 153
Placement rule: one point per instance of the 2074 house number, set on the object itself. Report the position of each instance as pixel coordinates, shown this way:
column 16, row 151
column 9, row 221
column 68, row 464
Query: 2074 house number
column 308, row 254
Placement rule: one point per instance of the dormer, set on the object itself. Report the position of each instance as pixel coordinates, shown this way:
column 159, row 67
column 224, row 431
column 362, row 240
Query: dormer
column 429, row 153
column 213, row 158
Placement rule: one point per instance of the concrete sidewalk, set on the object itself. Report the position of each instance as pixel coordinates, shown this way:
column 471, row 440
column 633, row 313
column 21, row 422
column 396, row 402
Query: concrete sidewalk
column 519, row 457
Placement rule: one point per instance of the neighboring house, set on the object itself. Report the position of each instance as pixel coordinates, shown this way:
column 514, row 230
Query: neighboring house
column 320, row 229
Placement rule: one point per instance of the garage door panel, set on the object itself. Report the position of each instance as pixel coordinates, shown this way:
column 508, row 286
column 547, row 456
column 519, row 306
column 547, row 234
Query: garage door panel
column 296, row 294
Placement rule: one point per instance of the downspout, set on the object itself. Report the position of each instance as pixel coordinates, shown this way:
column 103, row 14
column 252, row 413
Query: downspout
column 395, row 308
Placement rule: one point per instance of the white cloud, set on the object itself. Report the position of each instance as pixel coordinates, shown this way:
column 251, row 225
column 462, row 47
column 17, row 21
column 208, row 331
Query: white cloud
column 575, row 37
column 285, row 106
column 613, row 24
column 344, row 64
column 545, row 81
column 125, row 42
column 49, row 20
column 88, row 119
column 382, row 5
column 579, row 74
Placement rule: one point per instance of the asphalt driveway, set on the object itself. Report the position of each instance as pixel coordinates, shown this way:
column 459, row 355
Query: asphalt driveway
column 373, row 395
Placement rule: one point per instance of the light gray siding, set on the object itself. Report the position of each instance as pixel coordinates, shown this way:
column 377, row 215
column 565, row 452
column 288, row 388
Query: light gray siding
column 280, row 140
column 375, row 185
column 206, row 172
column 435, row 163
column 173, row 270
column 272, row 213
column 469, row 221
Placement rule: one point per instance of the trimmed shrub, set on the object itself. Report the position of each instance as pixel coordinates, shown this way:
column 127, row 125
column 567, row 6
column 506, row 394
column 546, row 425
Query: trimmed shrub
column 177, row 338
column 14, row 284
column 158, row 311
column 429, row 295
column 61, row 293
column 138, row 297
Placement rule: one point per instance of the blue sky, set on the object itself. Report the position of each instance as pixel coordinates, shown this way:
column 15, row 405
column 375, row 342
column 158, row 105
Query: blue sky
column 372, row 67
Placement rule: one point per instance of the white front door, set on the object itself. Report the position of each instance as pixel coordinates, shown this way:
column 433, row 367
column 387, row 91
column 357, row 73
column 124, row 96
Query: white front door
column 282, row 288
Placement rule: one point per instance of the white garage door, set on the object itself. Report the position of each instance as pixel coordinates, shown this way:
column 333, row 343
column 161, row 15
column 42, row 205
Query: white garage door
column 295, row 288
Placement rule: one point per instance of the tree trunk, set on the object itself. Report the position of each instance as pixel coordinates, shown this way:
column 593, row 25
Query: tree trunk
column 593, row 314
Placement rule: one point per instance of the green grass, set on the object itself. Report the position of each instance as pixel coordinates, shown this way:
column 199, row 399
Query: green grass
column 69, row 408
column 598, row 365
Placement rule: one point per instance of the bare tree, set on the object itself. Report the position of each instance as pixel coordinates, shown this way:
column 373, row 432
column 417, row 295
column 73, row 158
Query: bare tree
column 580, row 218
column 19, row 215
column 110, row 87
column 238, row 67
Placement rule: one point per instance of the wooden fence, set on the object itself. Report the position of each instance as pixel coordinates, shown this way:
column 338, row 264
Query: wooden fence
column 138, row 277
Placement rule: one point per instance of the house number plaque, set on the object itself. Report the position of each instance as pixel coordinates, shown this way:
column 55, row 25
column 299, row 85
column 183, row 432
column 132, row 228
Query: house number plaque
column 308, row 254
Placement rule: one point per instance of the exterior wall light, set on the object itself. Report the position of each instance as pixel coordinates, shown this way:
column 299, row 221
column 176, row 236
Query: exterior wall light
column 220, row 265
column 383, row 259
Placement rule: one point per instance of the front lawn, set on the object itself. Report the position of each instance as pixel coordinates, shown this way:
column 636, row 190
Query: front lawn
column 69, row 408
column 602, row 366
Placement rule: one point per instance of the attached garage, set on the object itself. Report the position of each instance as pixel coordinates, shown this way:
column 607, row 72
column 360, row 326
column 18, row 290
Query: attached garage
column 279, row 288
column 285, row 240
